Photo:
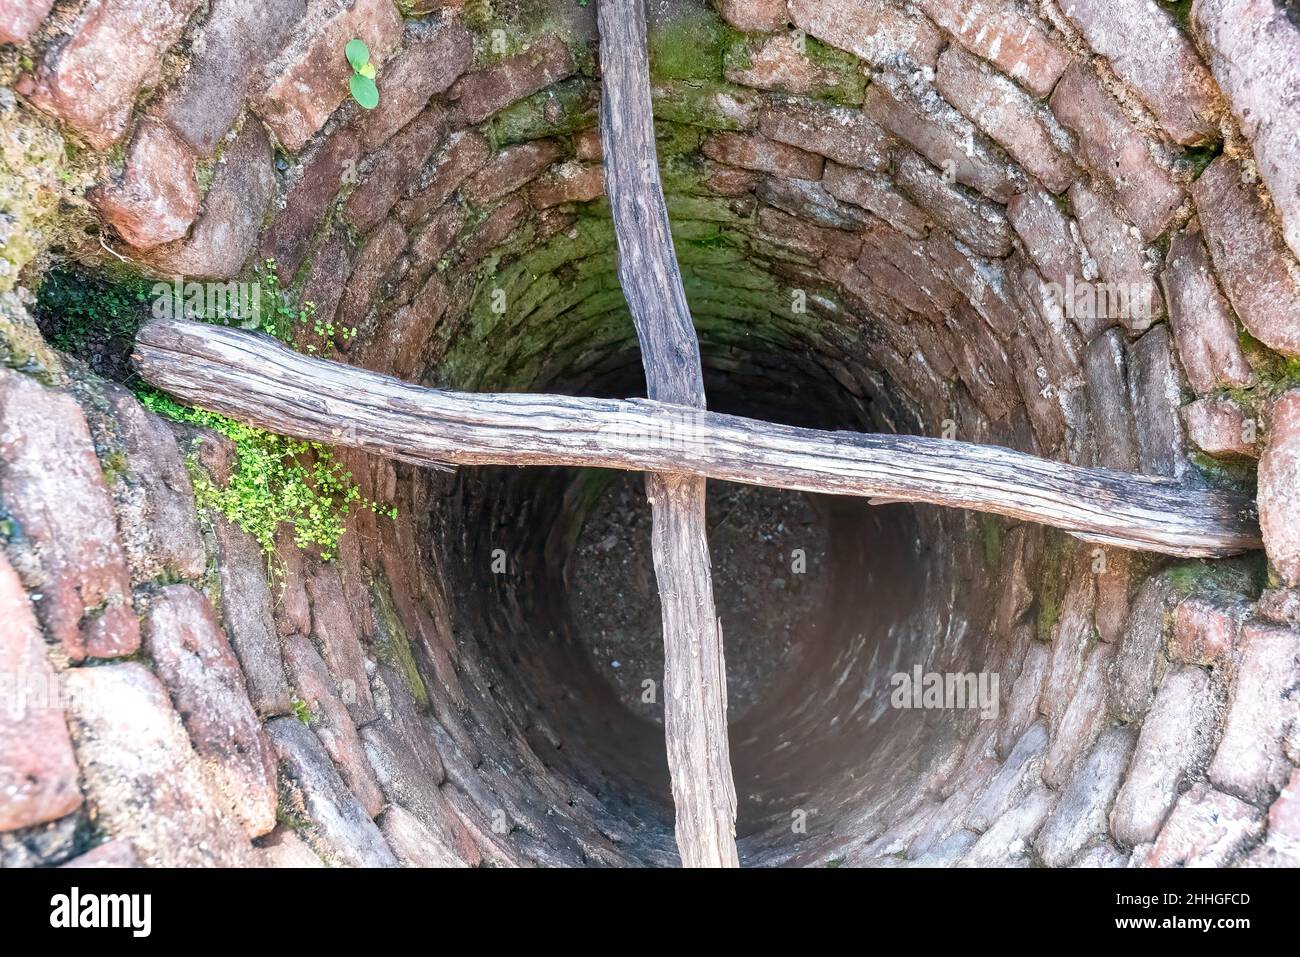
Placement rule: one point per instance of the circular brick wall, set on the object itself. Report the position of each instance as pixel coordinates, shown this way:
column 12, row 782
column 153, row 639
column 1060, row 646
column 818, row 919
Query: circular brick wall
column 1066, row 229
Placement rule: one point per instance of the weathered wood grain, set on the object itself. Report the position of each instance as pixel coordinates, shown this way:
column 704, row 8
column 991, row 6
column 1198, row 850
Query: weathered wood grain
column 695, row 678
column 257, row 379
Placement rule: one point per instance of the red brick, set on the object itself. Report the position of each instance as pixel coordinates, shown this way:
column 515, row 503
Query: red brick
column 1205, row 630
column 90, row 82
column 816, row 242
column 496, row 229
column 568, row 183
column 938, row 132
column 38, row 774
column 290, row 234
column 191, row 655
column 1255, row 54
column 372, row 265
column 756, row 152
column 309, row 80
column 979, row 223
column 1220, row 426
column 1008, row 116
column 1015, row 41
column 878, row 195
column 1121, row 256
column 840, row 134
column 394, row 166
column 1111, row 146
column 225, row 231
column 754, row 16
column 65, row 533
column 1284, row 814
column 875, row 30
column 1206, row 829
column 510, row 169
column 779, row 63
column 18, row 18
column 1204, row 326
column 226, row 52
column 434, row 59
column 482, row 93
column 156, row 197
column 1052, row 244
column 1259, row 274
column 588, row 148
column 1250, row 762
column 1150, row 53
column 428, row 245
column 983, row 283
column 1279, row 487
column 463, row 156
column 109, row 854
column 729, row 181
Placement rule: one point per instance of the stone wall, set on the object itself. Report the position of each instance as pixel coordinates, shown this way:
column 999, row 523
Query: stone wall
column 869, row 201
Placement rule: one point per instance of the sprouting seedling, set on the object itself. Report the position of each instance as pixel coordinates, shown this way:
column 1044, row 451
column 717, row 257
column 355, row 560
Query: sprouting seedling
column 362, row 82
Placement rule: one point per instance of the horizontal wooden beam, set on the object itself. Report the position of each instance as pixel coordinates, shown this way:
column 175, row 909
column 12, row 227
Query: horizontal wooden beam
column 257, row 379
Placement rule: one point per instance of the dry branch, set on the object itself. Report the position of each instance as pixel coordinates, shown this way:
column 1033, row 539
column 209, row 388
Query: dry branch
column 255, row 378
column 695, row 677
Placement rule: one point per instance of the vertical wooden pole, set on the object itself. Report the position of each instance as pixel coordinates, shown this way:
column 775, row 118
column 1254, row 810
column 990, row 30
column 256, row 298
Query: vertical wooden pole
column 695, row 678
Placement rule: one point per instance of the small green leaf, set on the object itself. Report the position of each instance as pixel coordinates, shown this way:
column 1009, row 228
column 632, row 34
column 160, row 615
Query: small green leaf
column 368, row 71
column 364, row 91
column 358, row 53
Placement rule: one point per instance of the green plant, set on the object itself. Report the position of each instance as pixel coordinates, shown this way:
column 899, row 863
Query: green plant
column 362, row 81
column 301, row 710
column 277, row 481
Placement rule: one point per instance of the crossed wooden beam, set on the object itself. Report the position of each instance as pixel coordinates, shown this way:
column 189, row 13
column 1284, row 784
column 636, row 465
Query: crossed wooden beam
column 676, row 442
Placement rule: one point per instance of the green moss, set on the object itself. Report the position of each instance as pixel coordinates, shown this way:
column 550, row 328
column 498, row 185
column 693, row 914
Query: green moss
column 1051, row 583
column 690, row 47
column 393, row 645
column 841, row 80
column 709, row 104
column 567, row 107
column 991, row 536
column 1237, row 576
column 1180, row 10
column 1197, row 158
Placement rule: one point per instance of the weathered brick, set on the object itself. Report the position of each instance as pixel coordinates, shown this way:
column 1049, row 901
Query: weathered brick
column 246, row 612
column 432, row 240
column 330, row 269
column 1051, row 241
column 1175, row 740
column 781, row 63
column 156, row 197
column 341, row 831
column 1206, row 829
column 435, row 57
column 1258, row 271
column 413, row 843
column 290, row 235
column 110, row 854
column 496, row 229
column 982, row 282
column 463, row 156
column 1081, row 814
column 309, row 80
column 977, row 222
column 1250, row 762
column 226, row 51
column 1155, row 394
column 339, row 640
column 195, row 662
column 373, row 263
column 18, row 18
column 38, row 773
column 1255, row 66
column 878, row 31
column 840, row 134
column 757, row 152
column 141, row 774
column 897, row 267
column 1018, row 771
column 1004, row 33
column 1114, row 592
column 1110, row 414
column 513, row 167
column 480, row 94
column 1008, row 116
column 64, row 539
column 1205, row 329
column 1134, row 675
column 1279, row 487
column 810, row 201
column 114, row 49
column 1205, row 630
column 1008, row 840
column 753, row 16
column 1082, row 720
column 920, row 118
column 1130, row 292
column 1150, row 53
column 1221, row 426
column 226, row 229
column 815, row 242
column 330, row 720
column 568, row 183
column 394, row 166
column 878, row 195
column 1111, row 146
